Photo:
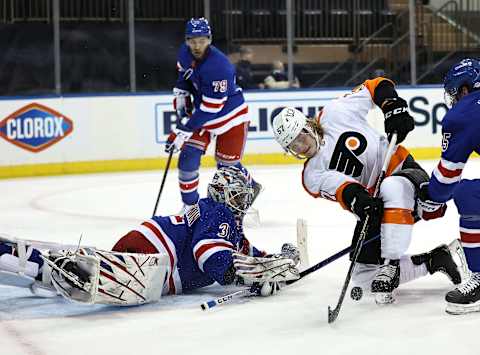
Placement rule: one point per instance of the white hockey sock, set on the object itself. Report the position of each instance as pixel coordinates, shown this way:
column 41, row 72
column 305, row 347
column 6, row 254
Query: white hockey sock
column 409, row 271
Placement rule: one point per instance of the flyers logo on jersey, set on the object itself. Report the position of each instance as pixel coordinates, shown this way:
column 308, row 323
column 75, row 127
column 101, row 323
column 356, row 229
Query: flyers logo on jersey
column 35, row 127
column 344, row 158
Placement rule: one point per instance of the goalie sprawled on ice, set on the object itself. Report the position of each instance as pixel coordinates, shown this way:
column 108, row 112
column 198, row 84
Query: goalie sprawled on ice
column 164, row 255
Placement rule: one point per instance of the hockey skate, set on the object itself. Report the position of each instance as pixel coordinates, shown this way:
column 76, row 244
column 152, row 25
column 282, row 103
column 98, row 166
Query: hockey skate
column 386, row 280
column 465, row 298
column 441, row 260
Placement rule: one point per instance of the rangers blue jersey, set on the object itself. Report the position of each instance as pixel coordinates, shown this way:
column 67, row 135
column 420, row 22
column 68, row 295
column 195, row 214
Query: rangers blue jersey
column 199, row 254
column 219, row 103
column 460, row 128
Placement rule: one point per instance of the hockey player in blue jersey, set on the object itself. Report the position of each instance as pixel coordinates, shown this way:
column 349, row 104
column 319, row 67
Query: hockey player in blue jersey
column 164, row 255
column 460, row 130
column 218, row 109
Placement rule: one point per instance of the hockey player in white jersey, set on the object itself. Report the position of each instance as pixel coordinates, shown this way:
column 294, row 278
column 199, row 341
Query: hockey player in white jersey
column 344, row 157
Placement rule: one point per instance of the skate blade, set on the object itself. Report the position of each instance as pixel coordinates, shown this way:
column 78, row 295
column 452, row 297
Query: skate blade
column 384, row 298
column 459, row 309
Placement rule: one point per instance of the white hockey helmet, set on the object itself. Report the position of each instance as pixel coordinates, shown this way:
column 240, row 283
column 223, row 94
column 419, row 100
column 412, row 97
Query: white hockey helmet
column 288, row 125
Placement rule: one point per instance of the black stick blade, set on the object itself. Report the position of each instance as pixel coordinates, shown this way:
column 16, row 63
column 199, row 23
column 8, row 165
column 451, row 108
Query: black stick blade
column 332, row 315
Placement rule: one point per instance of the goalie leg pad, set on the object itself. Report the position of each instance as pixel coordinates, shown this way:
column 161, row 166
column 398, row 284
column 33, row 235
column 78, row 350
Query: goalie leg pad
column 21, row 265
column 112, row 278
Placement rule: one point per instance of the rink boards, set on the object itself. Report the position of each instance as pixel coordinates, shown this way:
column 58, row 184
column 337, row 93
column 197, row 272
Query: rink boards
column 82, row 134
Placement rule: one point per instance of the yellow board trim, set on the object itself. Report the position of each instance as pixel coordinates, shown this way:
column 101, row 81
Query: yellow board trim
column 86, row 167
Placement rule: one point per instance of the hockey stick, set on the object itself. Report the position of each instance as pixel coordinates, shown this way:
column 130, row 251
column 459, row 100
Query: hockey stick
column 251, row 291
column 167, row 167
column 329, row 260
column 333, row 314
column 222, row 300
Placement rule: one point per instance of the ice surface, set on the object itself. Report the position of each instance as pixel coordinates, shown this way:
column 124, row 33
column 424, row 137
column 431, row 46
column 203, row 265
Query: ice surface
column 103, row 207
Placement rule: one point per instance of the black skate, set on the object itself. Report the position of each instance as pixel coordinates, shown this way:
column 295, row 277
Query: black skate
column 465, row 298
column 439, row 260
column 386, row 280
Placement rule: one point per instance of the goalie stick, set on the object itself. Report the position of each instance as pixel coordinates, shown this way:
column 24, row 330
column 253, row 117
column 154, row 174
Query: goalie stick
column 333, row 314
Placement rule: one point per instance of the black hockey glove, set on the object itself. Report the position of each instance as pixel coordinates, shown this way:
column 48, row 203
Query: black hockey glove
column 361, row 203
column 397, row 118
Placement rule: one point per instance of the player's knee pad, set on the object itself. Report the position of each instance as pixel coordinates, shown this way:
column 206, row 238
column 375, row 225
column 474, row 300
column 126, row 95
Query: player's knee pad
column 189, row 159
column 397, row 192
column 467, row 197
column 371, row 251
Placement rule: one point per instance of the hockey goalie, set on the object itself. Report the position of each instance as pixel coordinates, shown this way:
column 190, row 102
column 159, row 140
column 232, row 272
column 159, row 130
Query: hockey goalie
column 164, row 255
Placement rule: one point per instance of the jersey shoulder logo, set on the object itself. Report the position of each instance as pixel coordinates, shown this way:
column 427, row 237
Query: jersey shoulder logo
column 344, row 158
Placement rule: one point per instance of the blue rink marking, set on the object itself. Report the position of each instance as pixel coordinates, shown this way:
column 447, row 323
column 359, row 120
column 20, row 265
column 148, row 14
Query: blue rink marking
column 18, row 303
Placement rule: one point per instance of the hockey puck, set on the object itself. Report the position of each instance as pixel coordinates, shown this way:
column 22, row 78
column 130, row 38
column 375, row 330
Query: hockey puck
column 356, row 293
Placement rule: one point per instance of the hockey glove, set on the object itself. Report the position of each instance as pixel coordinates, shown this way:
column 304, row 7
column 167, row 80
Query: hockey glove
column 361, row 203
column 428, row 209
column 182, row 103
column 397, row 118
column 290, row 251
column 260, row 269
column 179, row 135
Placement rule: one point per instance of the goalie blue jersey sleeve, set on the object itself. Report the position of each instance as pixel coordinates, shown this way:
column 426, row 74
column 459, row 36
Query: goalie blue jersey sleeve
column 219, row 103
column 460, row 138
column 199, row 254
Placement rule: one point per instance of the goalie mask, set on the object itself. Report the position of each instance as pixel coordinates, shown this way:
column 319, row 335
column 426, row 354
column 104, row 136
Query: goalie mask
column 295, row 133
column 231, row 187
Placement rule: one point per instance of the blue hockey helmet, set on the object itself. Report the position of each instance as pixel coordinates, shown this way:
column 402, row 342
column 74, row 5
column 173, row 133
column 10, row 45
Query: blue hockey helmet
column 198, row 27
column 465, row 73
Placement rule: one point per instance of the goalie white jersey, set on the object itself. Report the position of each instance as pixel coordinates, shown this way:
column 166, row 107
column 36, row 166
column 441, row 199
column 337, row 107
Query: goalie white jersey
column 351, row 150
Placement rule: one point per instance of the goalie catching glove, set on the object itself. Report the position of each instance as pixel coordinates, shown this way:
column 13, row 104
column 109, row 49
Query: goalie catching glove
column 266, row 274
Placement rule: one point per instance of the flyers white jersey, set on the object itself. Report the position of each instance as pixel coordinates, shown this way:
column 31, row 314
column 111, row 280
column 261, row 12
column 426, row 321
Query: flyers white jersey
column 351, row 150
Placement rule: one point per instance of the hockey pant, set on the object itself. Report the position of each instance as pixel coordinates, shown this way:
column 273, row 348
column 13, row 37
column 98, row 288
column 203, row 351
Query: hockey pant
column 467, row 199
column 228, row 151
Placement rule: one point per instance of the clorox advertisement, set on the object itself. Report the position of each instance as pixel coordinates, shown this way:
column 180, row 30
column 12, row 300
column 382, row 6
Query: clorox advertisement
column 35, row 127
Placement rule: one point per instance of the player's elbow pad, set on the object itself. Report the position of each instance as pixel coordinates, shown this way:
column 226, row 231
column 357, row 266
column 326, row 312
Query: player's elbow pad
column 384, row 90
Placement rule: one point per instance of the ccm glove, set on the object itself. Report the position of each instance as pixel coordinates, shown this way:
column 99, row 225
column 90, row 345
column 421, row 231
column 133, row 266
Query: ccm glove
column 428, row 209
column 178, row 136
column 397, row 118
column 361, row 203
column 182, row 103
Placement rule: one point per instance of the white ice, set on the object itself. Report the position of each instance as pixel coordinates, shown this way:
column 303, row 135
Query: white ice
column 103, row 207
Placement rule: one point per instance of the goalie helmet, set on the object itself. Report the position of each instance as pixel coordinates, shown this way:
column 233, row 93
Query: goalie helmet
column 231, row 187
column 465, row 73
column 288, row 125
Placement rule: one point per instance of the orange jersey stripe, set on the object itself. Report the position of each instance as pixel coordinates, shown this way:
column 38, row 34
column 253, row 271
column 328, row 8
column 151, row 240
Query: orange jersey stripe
column 397, row 159
column 397, row 216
